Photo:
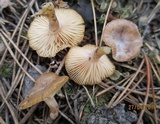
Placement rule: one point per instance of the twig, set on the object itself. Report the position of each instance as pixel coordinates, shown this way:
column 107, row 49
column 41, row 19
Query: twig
column 76, row 113
column 109, row 88
column 17, row 43
column 9, row 107
column 12, row 54
column 69, row 105
column 155, row 72
column 95, row 22
column 154, row 101
column 117, row 93
column 20, row 87
column 24, row 14
column 2, row 121
column 150, row 18
column 81, row 112
column 61, row 65
column 157, row 68
column 144, row 94
column 132, row 88
column 153, row 13
column 143, row 89
column 25, row 118
column 140, row 5
column 20, row 3
column 127, row 66
column 90, row 98
column 148, row 69
column 110, row 4
column 66, row 117
column 131, row 81
column 10, row 40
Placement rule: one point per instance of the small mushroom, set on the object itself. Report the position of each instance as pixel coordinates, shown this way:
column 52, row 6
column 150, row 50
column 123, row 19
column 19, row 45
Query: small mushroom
column 46, row 86
column 55, row 29
column 88, row 65
column 124, row 39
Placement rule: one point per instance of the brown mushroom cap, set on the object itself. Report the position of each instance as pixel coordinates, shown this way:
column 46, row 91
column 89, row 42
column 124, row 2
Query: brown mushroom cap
column 124, row 39
column 88, row 65
column 46, row 42
column 46, row 86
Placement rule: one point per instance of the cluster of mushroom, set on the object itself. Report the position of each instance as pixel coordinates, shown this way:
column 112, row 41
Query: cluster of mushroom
column 89, row 65
column 56, row 29
column 51, row 31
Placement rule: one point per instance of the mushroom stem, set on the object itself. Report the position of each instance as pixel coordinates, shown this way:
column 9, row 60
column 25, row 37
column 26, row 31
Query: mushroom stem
column 53, row 22
column 98, row 53
column 54, row 109
column 49, row 11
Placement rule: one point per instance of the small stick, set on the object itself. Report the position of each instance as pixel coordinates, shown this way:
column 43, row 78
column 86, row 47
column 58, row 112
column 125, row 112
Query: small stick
column 144, row 94
column 109, row 88
column 155, row 72
column 11, row 41
column 118, row 92
column 148, row 69
column 66, row 117
column 90, row 98
column 2, row 121
column 16, row 29
column 110, row 4
column 12, row 54
column 132, row 88
column 153, row 13
column 127, row 66
column 69, row 105
column 131, row 81
column 95, row 23
column 154, row 101
column 9, row 107
column 61, row 65
column 25, row 118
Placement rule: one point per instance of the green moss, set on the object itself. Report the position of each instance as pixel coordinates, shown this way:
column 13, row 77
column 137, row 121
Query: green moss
column 6, row 70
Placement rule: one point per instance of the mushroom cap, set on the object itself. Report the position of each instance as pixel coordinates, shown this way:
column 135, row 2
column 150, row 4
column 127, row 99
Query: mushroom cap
column 124, row 39
column 48, row 43
column 85, row 67
column 46, row 86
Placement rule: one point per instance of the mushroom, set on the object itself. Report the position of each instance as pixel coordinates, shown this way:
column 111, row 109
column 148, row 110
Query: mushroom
column 88, row 65
column 54, row 30
column 46, row 86
column 124, row 39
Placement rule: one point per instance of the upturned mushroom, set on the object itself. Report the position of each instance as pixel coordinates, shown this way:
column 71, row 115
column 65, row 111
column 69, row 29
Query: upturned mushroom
column 88, row 65
column 46, row 86
column 54, row 30
column 124, row 39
